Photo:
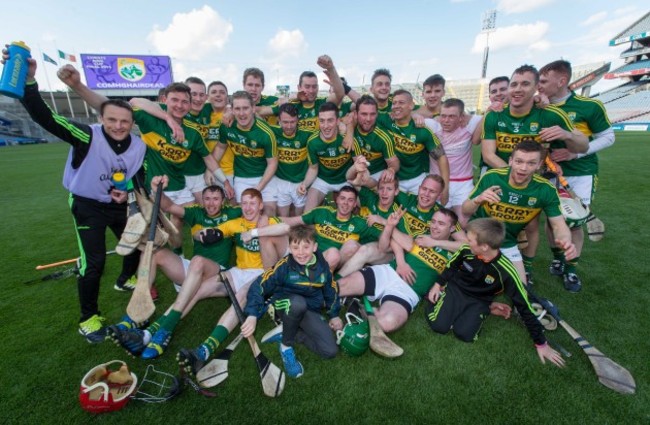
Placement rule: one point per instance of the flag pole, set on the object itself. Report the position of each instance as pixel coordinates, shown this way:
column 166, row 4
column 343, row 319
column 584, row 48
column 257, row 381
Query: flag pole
column 47, row 79
column 67, row 91
column 77, row 56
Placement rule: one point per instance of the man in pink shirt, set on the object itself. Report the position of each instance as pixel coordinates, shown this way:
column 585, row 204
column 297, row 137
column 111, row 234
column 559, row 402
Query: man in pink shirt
column 455, row 129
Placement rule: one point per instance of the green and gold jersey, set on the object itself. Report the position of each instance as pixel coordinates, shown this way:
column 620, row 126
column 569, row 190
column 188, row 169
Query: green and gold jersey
column 333, row 233
column 508, row 129
column 416, row 221
column 307, row 114
column 345, row 108
column 369, row 201
column 198, row 219
column 427, row 263
column 388, row 108
column 292, row 155
column 271, row 101
column 519, row 205
column 332, row 158
column 227, row 162
column 165, row 156
column 195, row 166
column 248, row 253
column 589, row 117
column 412, row 146
column 376, row 146
column 251, row 147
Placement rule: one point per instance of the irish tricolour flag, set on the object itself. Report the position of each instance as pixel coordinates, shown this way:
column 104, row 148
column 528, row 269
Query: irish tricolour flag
column 70, row 58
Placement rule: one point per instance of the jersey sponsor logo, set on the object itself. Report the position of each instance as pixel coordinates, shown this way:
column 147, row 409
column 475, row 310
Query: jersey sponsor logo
column 213, row 133
column 415, row 225
column 292, row 156
column 511, row 213
column 334, row 163
column 431, row 257
column 253, row 245
column 203, row 130
column 168, row 151
column 370, row 155
column 335, row 234
column 506, row 142
column 245, row 151
column 308, row 124
column 404, row 145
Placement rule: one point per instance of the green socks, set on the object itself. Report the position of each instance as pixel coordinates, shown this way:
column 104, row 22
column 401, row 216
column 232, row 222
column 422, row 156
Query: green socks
column 218, row 335
column 528, row 263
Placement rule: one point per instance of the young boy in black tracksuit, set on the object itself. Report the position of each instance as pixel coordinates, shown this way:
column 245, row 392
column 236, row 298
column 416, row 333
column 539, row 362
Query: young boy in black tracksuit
column 461, row 298
column 298, row 286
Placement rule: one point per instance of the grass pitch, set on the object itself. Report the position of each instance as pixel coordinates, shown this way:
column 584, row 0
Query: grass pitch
column 497, row 380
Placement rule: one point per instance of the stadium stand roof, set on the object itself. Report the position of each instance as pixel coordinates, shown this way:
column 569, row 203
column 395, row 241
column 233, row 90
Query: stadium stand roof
column 638, row 30
column 637, row 49
column 630, row 69
column 588, row 74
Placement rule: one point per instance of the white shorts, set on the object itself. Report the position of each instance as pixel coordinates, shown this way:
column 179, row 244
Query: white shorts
column 513, row 254
column 242, row 183
column 195, row 183
column 323, row 187
column 459, row 192
column 180, row 197
column 288, row 193
column 412, row 185
column 240, row 277
column 583, row 186
column 389, row 283
column 186, row 267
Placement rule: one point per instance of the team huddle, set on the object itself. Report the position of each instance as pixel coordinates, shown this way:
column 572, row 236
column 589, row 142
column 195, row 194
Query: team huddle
column 309, row 206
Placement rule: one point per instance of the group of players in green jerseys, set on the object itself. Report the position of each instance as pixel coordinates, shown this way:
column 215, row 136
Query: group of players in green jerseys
column 303, row 202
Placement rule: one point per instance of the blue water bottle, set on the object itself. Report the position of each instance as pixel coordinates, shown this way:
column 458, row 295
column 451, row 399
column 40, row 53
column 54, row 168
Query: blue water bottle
column 14, row 74
column 119, row 181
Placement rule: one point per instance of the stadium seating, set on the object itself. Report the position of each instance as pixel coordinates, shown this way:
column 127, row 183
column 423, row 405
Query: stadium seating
column 620, row 91
column 629, row 106
column 632, row 66
column 473, row 92
column 645, row 118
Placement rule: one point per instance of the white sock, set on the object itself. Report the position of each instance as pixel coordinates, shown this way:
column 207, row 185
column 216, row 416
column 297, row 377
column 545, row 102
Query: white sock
column 147, row 337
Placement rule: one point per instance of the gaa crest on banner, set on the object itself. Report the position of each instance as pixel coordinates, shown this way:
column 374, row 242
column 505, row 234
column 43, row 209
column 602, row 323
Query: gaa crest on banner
column 131, row 69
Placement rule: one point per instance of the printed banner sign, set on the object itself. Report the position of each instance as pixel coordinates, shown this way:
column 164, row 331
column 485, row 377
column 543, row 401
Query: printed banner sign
column 124, row 72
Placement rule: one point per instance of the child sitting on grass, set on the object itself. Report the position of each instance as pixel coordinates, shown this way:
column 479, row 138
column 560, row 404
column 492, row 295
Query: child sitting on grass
column 461, row 298
column 298, row 286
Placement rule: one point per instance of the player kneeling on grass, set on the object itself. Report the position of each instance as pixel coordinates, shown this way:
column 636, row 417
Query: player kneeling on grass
column 298, row 286
column 461, row 298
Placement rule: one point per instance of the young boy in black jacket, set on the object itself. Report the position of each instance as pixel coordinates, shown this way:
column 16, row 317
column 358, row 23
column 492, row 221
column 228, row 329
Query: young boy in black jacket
column 298, row 286
column 461, row 298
